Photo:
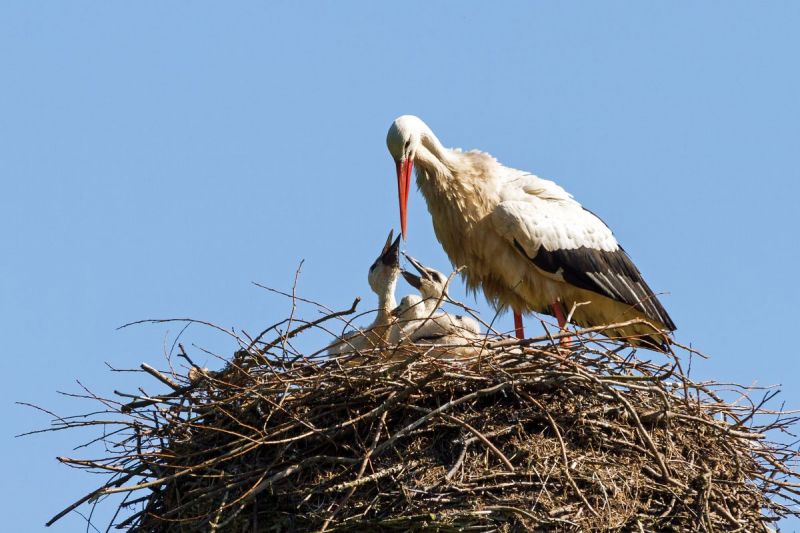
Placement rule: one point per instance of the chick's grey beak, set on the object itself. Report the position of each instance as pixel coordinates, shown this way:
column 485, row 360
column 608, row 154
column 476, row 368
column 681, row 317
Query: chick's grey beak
column 392, row 255
column 414, row 281
column 417, row 265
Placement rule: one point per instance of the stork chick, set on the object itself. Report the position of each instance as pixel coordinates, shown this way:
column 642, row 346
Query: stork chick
column 432, row 326
column 411, row 307
column 382, row 278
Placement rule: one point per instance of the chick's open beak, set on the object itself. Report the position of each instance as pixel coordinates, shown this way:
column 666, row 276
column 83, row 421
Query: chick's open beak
column 417, row 265
column 413, row 280
column 391, row 255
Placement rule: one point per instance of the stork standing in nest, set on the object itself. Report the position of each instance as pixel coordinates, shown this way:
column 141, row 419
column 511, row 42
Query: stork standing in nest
column 523, row 239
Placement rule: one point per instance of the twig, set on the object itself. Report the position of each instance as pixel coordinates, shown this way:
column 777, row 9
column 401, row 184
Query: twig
column 159, row 376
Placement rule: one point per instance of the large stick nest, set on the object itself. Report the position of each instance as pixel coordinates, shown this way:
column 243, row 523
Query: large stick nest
column 520, row 436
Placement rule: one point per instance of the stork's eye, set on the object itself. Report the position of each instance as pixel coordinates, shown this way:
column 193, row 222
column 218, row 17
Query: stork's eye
column 408, row 143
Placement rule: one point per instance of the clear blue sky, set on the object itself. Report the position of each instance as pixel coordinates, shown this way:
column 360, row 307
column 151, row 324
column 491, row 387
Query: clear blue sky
column 157, row 159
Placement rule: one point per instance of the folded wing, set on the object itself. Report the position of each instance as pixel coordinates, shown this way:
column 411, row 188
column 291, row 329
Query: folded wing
column 571, row 244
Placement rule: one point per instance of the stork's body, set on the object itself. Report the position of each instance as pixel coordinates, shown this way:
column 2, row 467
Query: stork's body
column 524, row 240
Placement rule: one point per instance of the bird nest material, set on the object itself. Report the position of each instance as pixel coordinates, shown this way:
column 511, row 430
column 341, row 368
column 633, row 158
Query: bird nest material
column 524, row 435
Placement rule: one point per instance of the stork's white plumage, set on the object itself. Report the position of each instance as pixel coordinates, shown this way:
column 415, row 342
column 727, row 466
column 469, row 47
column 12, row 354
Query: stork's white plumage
column 524, row 240
column 383, row 274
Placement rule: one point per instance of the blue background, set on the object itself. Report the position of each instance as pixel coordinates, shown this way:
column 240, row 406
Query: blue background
column 155, row 159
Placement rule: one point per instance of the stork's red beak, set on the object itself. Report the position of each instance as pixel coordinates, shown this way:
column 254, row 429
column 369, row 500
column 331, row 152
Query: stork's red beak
column 404, row 167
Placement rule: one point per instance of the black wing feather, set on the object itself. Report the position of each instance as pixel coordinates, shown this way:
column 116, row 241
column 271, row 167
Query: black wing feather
column 611, row 274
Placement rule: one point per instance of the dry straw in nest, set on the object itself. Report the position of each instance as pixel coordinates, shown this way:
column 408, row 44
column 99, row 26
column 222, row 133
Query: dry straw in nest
column 522, row 435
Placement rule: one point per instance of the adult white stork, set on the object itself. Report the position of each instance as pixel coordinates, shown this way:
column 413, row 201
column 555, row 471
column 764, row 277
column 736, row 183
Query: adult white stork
column 523, row 239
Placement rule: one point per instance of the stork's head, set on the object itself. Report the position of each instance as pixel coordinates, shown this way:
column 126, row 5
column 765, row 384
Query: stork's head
column 405, row 142
column 386, row 267
column 409, row 308
column 431, row 283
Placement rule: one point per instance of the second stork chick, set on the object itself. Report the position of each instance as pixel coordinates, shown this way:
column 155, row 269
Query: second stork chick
column 423, row 322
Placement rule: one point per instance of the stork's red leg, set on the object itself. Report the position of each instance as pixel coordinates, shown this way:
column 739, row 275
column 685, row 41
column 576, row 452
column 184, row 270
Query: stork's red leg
column 559, row 314
column 518, row 329
column 562, row 321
